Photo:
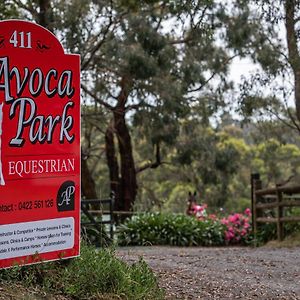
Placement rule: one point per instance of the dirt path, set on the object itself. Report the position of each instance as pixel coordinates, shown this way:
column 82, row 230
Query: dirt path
column 223, row 273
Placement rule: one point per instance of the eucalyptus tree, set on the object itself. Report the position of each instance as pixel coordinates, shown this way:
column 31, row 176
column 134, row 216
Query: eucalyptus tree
column 8, row 9
column 145, row 66
column 274, row 90
column 155, row 67
column 74, row 23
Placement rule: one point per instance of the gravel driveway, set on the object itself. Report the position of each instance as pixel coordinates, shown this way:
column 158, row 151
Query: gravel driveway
column 222, row 273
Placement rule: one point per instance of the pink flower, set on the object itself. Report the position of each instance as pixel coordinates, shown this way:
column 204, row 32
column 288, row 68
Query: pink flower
column 243, row 232
column 246, row 225
column 247, row 212
column 231, row 218
column 230, row 229
column 212, row 217
column 237, row 226
column 229, row 236
column 224, row 221
column 234, row 218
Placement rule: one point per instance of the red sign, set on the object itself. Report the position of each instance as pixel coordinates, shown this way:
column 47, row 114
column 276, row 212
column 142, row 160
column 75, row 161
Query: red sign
column 39, row 146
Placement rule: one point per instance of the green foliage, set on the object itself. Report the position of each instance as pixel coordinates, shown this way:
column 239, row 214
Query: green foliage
column 98, row 238
column 8, row 10
column 170, row 229
column 217, row 163
column 268, row 231
column 237, row 204
column 275, row 161
column 164, row 66
column 177, row 198
column 210, row 162
column 94, row 273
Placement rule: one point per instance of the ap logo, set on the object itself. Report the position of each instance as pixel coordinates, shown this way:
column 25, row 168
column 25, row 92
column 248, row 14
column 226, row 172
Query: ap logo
column 65, row 196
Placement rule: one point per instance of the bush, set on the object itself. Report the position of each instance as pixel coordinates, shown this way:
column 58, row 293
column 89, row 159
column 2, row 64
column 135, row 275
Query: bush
column 170, row 229
column 268, row 231
column 238, row 228
column 93, row 274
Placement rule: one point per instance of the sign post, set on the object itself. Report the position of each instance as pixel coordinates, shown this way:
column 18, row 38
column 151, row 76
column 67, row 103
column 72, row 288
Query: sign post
column 39, row 146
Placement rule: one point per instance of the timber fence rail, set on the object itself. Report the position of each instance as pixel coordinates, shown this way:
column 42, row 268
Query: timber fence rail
column 273, row 201
column 93, row 210
column 99, row 212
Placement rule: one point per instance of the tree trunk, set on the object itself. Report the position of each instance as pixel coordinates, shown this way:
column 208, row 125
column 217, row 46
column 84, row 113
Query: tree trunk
column 45, row 14
column 128, row 184
column 223, row 197
column 87, row 182
column 293, row 52
column 113, row 166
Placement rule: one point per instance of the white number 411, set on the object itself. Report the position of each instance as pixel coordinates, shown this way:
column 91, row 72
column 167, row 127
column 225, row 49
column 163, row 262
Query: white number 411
column 19, row 39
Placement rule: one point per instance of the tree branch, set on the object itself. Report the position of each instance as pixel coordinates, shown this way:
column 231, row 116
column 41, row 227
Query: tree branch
column 295, row 127
column 152, row 165
column 201, row 17
column 97, row 46
column 100, row 101
column 292, row 118
column 138, row 105
column 28, row 8
column 162, row 7
column 277, row 50
column 103, row 40
column 213, row 75
column 181, row 41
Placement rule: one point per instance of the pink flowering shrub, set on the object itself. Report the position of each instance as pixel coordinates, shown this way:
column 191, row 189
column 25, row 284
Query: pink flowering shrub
column 238, row 228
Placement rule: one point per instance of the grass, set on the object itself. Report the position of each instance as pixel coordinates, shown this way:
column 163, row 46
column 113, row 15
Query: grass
column 293, row 240
column 94, row 275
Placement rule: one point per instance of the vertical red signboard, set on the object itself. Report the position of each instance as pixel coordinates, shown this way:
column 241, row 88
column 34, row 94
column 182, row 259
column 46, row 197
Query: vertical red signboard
column 39, row 146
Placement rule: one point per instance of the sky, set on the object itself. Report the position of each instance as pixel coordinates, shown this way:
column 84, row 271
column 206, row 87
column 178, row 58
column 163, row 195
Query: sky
column 241, row 67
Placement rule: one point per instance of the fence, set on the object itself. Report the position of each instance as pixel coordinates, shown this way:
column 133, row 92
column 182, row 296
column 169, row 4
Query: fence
column 94, row 210
column 269, row 199
column 101, row 212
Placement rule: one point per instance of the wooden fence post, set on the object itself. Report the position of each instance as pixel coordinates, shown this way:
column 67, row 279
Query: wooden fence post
column 256, row 185
column 111, row 212
column 279, row 216
column 275, row 198
column 254, row 176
